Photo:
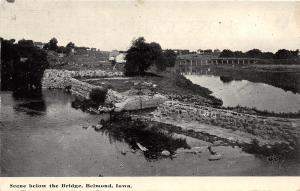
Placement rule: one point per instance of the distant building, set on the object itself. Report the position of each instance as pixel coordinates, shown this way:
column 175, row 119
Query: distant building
column 120, row 58
column 40, row 45
column 117, row 56
column 200, row 51
column 214, row 52
column 180, row 51
column 113, row 54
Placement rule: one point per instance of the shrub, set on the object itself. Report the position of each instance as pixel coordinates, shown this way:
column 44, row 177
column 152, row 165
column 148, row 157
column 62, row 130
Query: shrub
column 98, row 95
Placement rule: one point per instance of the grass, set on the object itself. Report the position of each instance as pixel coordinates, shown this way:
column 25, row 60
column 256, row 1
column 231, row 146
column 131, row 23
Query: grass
column 86, row 60
column 168, row 83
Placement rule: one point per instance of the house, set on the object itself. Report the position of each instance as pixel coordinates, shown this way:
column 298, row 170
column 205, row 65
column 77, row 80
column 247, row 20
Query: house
column 117, row 56
column 113, row 54
column 120, row 58
column 40, row 45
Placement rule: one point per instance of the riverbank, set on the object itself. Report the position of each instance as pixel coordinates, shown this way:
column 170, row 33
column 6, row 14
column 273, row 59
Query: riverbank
column 286, row 77
column 170, row 84
column 30, row 139
column 198, row 111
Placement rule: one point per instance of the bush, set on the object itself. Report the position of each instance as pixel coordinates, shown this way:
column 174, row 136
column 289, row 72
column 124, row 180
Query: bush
column 98, row 95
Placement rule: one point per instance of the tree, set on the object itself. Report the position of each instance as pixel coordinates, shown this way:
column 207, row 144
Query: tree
column 70, row 45
column 254, row 53
column 284, row 54
column 9, row 56
column 238, row 54
column 267, row 55
column 51, row 45
column 141, row 55
column 226, row 53
column 23, row 66
column 170, row 56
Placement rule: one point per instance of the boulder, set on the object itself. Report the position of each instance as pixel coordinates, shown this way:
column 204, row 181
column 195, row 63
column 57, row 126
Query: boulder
column 140, row 102
column 98, row 127
column 215, row 157
column 165, row 153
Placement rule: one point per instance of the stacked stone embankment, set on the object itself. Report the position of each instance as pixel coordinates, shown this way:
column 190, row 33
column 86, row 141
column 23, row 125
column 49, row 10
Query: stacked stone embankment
column 267, row 128
column 64, row 79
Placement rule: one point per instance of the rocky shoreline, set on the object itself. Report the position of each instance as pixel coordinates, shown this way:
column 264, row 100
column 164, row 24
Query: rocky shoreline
column 186, row 114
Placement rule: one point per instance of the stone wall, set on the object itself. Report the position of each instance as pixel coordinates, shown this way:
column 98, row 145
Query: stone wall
column 64, row 79
column 265, row 127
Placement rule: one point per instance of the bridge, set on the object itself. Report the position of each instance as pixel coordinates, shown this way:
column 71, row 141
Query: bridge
column 194, row 63
column 199, row 61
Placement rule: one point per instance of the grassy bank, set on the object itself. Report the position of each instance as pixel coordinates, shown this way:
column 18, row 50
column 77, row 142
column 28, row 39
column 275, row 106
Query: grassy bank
column 171, row 84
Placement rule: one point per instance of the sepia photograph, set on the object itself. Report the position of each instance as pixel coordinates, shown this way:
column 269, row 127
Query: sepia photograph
column 143, row 88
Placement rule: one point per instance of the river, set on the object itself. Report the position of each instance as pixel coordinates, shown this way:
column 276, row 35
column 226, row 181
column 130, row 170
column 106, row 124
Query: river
column 259, row 95
column 47, row 137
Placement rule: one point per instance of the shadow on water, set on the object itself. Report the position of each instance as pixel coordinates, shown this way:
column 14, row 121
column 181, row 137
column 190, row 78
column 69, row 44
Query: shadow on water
column 226, row 79
column 139, row 134
column 32, row 104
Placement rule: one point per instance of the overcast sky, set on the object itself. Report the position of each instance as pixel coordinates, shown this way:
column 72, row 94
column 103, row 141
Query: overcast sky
column 186, row 25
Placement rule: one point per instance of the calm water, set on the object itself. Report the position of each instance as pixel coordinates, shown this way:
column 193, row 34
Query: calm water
column 45, row 137
column 249, row 94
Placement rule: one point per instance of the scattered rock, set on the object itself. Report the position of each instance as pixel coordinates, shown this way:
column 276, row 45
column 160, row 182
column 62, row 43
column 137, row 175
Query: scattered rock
column 123, row 152
column 142, row 147
column 98, row 127
column 211, row 150
column 215, row 157
column 198, row 149
column 85, row 127
column 165, row 153
column 218, row 142
column 133, row 150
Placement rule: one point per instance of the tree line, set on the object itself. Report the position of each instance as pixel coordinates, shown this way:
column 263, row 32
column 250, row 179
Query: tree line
column 22, row 66
column 52, row 45
column 256, row 53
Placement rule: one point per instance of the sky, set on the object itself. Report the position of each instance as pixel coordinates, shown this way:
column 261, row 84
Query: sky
column 109, row 25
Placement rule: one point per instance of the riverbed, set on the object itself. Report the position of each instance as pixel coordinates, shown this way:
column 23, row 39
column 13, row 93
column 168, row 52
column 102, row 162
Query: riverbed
column 47, row 137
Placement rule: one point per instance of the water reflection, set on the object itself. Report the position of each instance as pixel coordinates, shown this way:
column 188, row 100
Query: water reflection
column 249, row 94
column 141, row 134
column 288, row 81
column 32, row 108
column 226, row 79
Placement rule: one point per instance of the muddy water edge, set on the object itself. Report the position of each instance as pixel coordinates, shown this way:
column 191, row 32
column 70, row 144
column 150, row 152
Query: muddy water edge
column 47, row 137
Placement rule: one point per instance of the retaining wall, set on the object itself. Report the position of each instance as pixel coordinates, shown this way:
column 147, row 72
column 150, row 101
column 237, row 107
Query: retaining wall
column 64, row 79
